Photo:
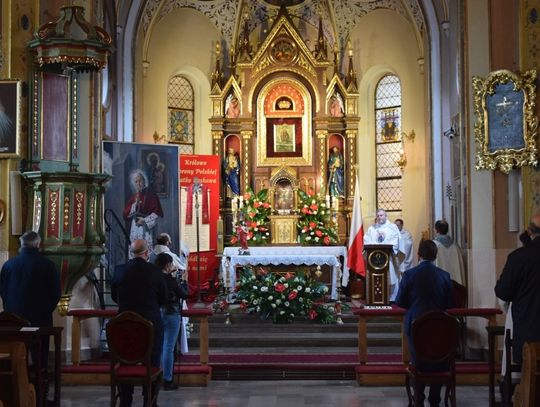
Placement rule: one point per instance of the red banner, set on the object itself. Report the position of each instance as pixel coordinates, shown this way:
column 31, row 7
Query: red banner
column 199, row 212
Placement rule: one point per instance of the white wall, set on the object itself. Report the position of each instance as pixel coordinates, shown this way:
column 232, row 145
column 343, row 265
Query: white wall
column 379, row 49
column 181, row 43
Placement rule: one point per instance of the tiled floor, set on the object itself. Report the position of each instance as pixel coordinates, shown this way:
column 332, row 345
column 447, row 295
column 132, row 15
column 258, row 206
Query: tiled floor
column 295, row 393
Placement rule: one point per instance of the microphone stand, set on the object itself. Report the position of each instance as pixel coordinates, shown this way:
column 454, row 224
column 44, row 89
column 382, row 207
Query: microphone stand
column 196, row 189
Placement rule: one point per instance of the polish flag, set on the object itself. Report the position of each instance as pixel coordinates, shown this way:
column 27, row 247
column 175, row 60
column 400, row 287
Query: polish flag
column 355, row 259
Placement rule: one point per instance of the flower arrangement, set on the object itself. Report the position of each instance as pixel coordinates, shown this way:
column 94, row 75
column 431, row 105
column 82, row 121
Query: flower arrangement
column 315, row 226
column 283, row 298
column 253, row 211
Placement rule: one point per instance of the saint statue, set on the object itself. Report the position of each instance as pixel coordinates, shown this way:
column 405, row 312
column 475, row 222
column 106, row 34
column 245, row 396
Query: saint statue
column 231, row 172
column 335, row 173
column 336, row 105
column 232, row 107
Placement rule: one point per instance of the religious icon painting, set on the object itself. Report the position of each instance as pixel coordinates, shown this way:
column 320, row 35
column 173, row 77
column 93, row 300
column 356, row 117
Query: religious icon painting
column 156, row 166
column 10, row 117
column 180, row 126
column 284, row 138
column 506, row 126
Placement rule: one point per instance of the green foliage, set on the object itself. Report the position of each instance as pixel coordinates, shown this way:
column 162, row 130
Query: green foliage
column 283, row 298
column 255, row 214
column 315, row 226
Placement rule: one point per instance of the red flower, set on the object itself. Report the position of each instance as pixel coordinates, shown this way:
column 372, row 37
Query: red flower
column 256, row 204
column 306, row 228
column 250, row 235
column 292, row 295
column 263, row 229
column 253, row 224
column 234, row 239
column 279, row 287
column 289, row 275
column 312, row 314
column 243, row 305
column 326, row 240
column 312, row 225
column 314, row 207
column 318, row 233
column 266, row 205
column 305, row 210
column 262, row 271
column 310, row 192
column 252, row 214
column 247, row 195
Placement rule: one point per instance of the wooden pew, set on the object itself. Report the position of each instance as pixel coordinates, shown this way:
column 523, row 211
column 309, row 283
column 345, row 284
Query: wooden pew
column 15, row 389
column 394, row 373
column 527, row 393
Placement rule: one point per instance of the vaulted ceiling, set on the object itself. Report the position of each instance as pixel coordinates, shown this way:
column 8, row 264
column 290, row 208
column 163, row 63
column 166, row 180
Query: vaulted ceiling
column 338, row 16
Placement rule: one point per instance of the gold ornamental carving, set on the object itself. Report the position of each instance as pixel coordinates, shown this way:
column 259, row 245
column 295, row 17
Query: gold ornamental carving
column 506, row 124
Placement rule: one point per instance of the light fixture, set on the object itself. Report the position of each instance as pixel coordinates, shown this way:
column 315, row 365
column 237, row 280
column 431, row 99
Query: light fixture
column 411, row 136
column 158, row 138
column 402, row 160
column 450, row 133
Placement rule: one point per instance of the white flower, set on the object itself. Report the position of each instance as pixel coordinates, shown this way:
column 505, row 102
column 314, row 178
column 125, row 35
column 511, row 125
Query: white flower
column 313, row 201
column 325, row 289
column 308, row 290
column 314, row 212
column 316, row 239
column 258, row 309
column 301, row 299
column 308, row 237
column 264, row 289
column 267, row 233
column 255, row 288
column 278, row 301
column 292, row 315
column 255, row 302
column 286, row 303
column 299, row 288
column 270, row 298
column 273, row 305
column 253, row 277
column 281, row 312
column 286, row 285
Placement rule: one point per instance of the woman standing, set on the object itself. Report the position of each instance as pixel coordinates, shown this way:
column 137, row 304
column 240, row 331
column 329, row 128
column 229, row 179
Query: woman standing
column 170, row 315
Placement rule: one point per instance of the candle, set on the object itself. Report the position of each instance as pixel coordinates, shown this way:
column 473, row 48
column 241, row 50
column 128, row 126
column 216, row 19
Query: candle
column 328, row 201
column 234, row 204
column 241, row 202
column 337, row 204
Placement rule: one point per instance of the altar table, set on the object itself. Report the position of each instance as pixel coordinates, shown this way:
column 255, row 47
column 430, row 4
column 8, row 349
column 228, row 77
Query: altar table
column 287, row 255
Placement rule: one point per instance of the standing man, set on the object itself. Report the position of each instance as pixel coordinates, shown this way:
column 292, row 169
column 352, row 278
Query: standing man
column 385, row 232
column 405, row 246
column 425, row 288
column 30, row 286
column 449, row 254
column 520, row 283
column 141, row 288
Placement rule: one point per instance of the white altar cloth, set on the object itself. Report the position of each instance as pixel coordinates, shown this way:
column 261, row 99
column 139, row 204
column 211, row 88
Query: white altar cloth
column 287, row 255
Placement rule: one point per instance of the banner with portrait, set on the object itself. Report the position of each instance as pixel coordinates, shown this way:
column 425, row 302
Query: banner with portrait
column 143, row 192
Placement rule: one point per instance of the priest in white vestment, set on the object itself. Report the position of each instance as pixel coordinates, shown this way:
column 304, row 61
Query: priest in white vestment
column 405, row 246
column 448, row 253
column 385, row 232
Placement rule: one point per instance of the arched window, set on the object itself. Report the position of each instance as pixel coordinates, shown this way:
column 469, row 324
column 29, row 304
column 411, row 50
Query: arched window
column 180, row 106
column 388, row 143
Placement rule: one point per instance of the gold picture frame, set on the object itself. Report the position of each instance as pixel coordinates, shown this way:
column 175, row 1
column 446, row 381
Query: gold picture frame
column 10, row 118
column 506, row 125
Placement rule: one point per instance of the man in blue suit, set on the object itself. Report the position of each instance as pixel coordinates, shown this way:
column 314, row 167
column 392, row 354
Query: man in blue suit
column 425, row 288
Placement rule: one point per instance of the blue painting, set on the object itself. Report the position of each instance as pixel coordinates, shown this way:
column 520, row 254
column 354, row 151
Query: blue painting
column 505, row 109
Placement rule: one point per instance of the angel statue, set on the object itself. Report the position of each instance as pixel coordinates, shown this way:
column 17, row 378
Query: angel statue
column 232, row 107
column 336, row 105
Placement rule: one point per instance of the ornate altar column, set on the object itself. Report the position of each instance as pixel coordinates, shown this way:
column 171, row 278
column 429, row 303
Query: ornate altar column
column 322, row 136
column 351, row 158
column 65, row 208
column 247, row 137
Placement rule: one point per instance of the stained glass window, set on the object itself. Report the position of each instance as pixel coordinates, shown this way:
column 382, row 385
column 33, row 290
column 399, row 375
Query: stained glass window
column 180, row 106
column 388, row 145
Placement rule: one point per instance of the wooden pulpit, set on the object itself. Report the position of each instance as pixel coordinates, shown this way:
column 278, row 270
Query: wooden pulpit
column 378, row 263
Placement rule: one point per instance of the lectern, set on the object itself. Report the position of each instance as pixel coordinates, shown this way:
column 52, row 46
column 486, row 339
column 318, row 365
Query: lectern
column 378, row 263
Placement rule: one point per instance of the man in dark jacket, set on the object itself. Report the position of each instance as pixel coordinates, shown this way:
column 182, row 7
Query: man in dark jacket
column 30, row 286
column 141, row 288
column 520, row 284
column 425, row 288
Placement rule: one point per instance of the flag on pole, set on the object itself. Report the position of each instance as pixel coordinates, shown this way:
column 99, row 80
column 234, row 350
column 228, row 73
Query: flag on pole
column 355, row 259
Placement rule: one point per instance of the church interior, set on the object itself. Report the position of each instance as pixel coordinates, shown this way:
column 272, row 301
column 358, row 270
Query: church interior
column 388, row 104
